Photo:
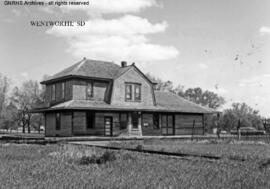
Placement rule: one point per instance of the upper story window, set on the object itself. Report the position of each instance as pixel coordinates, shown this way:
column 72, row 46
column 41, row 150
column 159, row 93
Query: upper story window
column 53, row 92
column 137, row 92
column 89, row 90
column 128, row 94
column 63, row 90
column 133, row 92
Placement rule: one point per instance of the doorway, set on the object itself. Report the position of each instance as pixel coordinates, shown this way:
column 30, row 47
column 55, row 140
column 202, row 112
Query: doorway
column 135, row 120
column 108, row 126
column 167, row 124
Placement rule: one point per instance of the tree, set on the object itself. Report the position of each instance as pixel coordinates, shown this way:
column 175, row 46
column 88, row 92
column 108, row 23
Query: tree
column 241, row 111
column 4, row 87
column 212, row 100
column 165, row 85
column 36, row 121
column 196, row 95
column 266, row 124
column 28, row 96
column 9, row 119
column 204, row 98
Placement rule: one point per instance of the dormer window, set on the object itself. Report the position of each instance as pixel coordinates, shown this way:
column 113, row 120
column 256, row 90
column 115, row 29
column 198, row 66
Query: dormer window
column 128, row 91
column 63, row 91
column 53, row 92
column 89, row 90
column 133, row 92
column 137, row 92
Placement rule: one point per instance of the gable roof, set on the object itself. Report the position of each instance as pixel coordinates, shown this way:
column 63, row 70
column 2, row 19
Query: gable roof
column 125, row 69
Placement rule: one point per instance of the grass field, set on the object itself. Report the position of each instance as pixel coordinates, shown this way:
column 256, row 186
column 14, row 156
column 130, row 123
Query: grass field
column 70, row 166
column 227, row 149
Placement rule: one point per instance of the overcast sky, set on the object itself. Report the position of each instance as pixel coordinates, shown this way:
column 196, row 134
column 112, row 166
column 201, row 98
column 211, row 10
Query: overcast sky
column 219, row 45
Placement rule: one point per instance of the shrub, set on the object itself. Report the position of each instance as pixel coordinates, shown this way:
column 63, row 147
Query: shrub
column 139, row 147
column 107, row 156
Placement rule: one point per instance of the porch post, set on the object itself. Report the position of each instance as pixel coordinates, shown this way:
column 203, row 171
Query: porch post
column 45, row 124
column 140, row 123
column 129, row 126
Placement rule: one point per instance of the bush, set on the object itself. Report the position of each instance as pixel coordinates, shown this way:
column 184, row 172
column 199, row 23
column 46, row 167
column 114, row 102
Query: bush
column 240, row 111
column 107, row 156
column 139, row 147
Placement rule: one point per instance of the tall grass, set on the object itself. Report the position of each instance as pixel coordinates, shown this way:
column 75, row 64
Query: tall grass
column 33, row 166
column 227, row 149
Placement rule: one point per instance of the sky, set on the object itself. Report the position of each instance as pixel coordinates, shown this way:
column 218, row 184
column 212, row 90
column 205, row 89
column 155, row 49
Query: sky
column 218, row 45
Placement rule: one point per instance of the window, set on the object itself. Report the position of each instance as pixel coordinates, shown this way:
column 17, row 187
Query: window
column 167, row 124
column 63, row 90
column 137, row 91
column 129, row 95
column 53, row 92
column 156, row 120
column 89, row 90
column 90, row 120
column 128, row 92
column 123, row 119
column 57, row 121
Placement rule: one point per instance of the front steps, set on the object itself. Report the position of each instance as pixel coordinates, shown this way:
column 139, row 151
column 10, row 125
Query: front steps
column 135, row 132
column 131, row 132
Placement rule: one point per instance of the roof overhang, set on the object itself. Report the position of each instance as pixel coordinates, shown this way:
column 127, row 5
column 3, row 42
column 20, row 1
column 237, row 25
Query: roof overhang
column 49, row 81
column 115, row 109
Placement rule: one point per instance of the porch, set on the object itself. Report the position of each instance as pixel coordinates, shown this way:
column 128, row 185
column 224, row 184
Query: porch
column 122, row 124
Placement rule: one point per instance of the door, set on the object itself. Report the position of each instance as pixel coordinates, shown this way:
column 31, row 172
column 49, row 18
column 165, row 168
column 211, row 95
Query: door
column 135, row 120
column 123, row 119
column 167, row 124
column 108, row 126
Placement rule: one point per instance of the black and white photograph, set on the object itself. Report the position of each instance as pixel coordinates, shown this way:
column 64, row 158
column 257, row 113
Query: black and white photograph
column 159, row 94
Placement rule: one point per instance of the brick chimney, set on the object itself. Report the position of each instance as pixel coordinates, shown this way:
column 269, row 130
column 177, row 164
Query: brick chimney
column 123, row 64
